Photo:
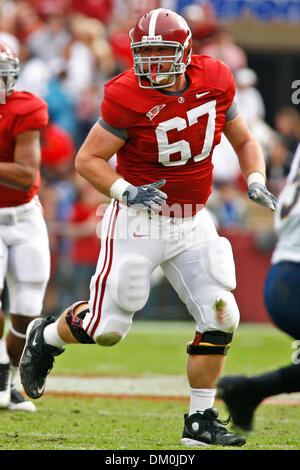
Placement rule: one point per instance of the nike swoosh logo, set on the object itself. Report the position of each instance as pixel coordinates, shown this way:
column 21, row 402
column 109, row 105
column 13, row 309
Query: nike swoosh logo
column 34, row 343
column 198, row 95
column 40, row 389
column 136, row 235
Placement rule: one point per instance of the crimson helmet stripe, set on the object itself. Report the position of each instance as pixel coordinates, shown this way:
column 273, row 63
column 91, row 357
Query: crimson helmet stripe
column 98, row 298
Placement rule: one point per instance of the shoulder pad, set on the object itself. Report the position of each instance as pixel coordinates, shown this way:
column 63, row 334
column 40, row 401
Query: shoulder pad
column 26, row 103
column 209, row 63
column 125, row 91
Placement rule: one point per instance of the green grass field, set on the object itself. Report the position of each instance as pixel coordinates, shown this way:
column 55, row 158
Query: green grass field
column 101, row 423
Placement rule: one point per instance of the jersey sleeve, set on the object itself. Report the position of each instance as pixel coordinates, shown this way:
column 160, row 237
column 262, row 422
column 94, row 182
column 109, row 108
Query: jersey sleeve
column 229, row 82
column 114, row 113
column 219, row 75
column 232, row 111
column 36, row 119
column 117, row 131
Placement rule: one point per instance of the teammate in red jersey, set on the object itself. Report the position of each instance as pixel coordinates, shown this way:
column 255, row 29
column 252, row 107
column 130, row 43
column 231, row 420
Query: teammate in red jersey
column 24, row 252
column 162, row 119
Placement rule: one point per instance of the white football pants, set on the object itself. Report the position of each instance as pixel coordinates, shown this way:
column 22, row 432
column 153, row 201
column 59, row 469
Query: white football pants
column 197, row 262
column 24, row 257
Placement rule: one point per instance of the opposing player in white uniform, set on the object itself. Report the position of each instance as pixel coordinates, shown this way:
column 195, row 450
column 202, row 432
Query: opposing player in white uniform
column 163, row 119
column 243, row 394
column 24, row 250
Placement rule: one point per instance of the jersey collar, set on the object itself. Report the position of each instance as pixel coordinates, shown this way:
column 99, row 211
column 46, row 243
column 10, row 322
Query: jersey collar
column 176, row 93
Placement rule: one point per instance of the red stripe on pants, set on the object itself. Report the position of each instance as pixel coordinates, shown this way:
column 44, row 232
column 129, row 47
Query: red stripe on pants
column 112, row 215
column 109, row 243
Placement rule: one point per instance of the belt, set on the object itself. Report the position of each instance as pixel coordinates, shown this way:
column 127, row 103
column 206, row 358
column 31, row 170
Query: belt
column 9, row 215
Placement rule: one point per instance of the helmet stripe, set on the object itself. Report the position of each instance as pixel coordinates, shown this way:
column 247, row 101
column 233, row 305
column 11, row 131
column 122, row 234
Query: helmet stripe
column 153, row 19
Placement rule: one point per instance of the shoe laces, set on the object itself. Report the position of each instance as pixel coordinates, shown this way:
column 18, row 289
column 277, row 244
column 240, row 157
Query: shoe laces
column 216, row 421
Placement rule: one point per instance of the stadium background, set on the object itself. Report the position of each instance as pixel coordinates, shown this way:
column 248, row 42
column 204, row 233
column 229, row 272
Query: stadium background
column 69, row 49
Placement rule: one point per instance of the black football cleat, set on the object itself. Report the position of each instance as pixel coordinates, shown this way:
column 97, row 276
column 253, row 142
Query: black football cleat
column 37, row 358
column 204, row 429
column 18, row 402
column 241, row 402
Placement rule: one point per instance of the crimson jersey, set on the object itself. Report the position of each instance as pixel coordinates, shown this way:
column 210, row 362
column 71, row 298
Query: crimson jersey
column 171, row 135
column 21, row 112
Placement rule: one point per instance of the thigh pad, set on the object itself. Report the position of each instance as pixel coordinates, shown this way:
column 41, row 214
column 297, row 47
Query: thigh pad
column 220, row 263
column 130, row 286
column 3, row 262
column 29, row 263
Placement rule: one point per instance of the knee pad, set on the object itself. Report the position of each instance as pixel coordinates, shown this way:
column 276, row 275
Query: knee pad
column 114, row 330
column 227, row 311
column 131, row 287
column 210, row 342
column 74, row 318
column 220, row 263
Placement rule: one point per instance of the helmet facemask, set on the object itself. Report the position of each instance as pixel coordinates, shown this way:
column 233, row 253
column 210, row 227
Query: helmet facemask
column 9, row 72
column 150, row 67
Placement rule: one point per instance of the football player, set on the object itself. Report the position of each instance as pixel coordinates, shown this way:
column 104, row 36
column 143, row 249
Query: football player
column 24, row 251
column 243, row 394
column 163, row 119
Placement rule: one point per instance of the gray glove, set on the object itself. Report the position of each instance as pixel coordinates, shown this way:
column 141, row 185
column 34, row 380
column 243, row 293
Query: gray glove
column 258, row 193
column 145, row 197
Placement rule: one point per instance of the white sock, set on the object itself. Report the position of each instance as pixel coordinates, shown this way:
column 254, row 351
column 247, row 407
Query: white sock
column 201, row 399
column 52, row 337
column 4, row 357
column 14, row 373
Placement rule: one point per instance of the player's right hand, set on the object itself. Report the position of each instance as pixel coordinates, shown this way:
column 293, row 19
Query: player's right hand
column 145, row 197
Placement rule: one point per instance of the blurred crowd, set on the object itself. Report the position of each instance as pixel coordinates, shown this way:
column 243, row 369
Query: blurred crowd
column 68, row 49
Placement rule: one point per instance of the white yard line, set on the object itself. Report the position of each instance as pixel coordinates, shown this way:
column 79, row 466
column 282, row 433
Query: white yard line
column 153, row 385
column 148, row 386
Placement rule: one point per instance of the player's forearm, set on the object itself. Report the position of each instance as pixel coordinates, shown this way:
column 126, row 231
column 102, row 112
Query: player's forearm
column 96, row 171
column 251, row 159
column 17, row 175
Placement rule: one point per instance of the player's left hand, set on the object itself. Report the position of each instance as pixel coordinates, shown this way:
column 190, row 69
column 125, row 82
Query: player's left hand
column 146, row 197
column 258, row 193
